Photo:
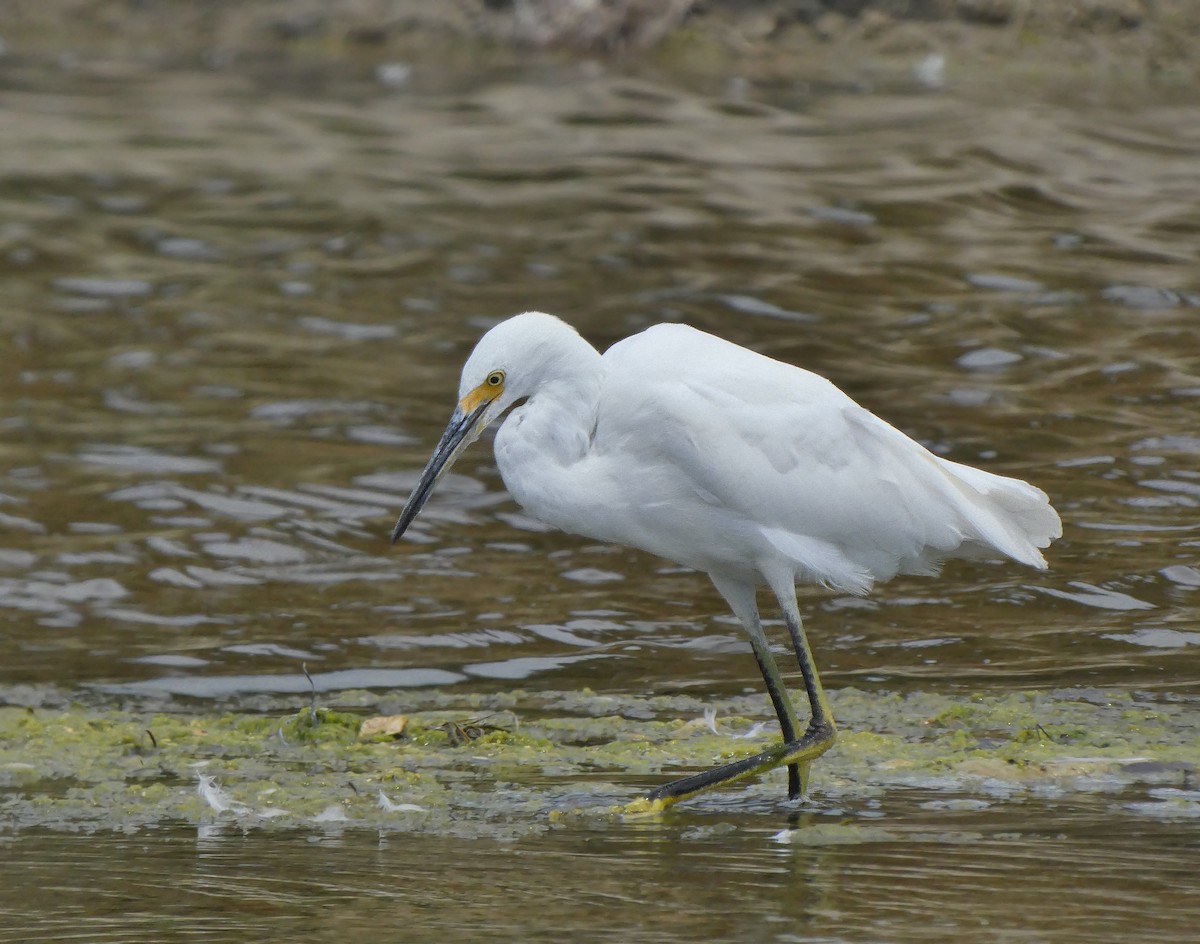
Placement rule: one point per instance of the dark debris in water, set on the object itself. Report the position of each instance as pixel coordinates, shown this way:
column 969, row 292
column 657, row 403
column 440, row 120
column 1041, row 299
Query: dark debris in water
column 516, row 763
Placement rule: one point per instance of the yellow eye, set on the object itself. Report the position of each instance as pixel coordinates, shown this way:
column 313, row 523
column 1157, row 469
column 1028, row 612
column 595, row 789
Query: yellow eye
column 495, row 378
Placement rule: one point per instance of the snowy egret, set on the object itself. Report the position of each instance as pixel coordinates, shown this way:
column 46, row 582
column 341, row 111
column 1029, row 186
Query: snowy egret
column 743, row 467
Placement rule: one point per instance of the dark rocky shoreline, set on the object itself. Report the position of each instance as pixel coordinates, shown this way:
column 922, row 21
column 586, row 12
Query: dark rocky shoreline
column 1154, row 39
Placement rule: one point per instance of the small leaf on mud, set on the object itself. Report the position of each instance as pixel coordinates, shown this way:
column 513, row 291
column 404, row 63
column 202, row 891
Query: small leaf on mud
column 383, row 726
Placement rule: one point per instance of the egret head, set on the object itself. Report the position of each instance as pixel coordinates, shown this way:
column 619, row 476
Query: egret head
column 507, row 365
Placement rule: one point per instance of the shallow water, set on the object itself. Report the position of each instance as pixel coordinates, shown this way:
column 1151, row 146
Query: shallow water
column 234, row 307
column 725, row 880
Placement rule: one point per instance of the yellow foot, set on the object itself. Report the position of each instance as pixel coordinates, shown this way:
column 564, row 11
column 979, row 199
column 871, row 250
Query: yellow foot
column 642, row 807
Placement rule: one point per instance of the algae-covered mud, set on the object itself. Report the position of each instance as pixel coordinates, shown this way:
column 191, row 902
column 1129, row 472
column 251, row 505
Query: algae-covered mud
column 521, row 763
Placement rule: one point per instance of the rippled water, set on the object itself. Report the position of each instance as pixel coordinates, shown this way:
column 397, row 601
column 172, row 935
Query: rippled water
column 943, row 877
column 233, row 311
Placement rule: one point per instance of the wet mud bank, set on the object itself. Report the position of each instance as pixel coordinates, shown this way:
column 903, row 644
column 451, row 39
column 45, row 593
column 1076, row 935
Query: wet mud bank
column 511, row 764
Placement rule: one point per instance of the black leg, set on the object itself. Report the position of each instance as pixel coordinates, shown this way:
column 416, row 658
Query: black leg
column 783, row 711
column 819, row 705
column 798, row 752
column 814, row 742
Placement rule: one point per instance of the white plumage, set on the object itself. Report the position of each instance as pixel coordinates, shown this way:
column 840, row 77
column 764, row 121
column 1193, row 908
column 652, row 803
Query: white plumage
column 751, row 470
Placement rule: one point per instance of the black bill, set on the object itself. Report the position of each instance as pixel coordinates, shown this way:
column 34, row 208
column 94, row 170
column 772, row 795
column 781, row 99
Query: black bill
column 460, row 433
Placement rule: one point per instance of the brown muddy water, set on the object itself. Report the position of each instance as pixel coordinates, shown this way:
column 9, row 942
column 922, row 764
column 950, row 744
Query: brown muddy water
column 232, row 311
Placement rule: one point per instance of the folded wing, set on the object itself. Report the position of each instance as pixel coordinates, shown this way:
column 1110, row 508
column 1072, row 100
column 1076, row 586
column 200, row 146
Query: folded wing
column 784, row 454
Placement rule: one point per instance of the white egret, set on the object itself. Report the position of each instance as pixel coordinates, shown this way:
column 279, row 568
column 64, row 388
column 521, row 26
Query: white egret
column 751, row 470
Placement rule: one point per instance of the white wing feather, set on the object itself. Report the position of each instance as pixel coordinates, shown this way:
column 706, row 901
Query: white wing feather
column 780, row 456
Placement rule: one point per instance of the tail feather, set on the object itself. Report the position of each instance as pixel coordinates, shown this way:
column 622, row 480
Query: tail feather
column 957, row 511
column 1007, row 514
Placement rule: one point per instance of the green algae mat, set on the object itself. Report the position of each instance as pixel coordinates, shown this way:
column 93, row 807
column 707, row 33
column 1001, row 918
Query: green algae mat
column 522, row 762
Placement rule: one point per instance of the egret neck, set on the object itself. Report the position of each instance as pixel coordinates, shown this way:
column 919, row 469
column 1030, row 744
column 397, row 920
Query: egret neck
column 543, row 441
